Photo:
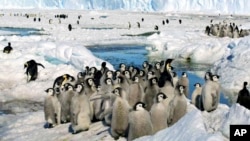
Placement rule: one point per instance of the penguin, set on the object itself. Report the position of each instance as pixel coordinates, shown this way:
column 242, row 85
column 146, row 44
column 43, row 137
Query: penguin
column 156, row 27
column 65, row 100
column 180, row 21
column 178, row 106
column 184, row 81
column 150, row 92
column 159, row 113
column 175, row 78
column 207, row 30
column 139, row 122
column 136, row 92
column 244, row 96
column 63, row 79
column 123, row 83
column 8, row 48
column 52, row 108
column 81, row 113
column 211, row 94
column 90, row 87
column 145, row 66
column 166, row 74
column 138, row 25
column 80, row 77
column 122, row 67
column 32, row 70
column 196, row 96
column 104, row 68
column 70, row 27
column 120, row 112
column 167, row 21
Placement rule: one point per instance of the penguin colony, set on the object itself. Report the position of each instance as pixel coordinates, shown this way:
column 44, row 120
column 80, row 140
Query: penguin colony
column 224, row 29
column 134, row 102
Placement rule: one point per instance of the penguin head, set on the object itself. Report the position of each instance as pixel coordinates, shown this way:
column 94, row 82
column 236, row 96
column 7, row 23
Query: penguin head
column 68, row 87
column 80, row 74
column 108, row 81
column 117, row 91
column 245, row 84
column 79, row 88
column 131, row 68
column 26, row 65
column 153, row 81
column 103, row 64
column 174, row 74
column 117, row 73
column 181, row 89
column 215, row 78
column 136, row 70
column 145, row 64
column 197, row 85
column 136, row 79
column 184, row 74
column 109, row 74
column 157, row 65
column 150, row 74
column 208, row 76
column 127, row 74
column 50, row 92
column 122, row 67
column 142, row 73
column 71, row 78
column 90, row 82
column 93, row 70
column 139, row 106
column 161, row 97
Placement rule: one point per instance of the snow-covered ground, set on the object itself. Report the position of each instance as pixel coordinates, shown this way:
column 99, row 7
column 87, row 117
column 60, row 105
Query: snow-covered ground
column 62, row 51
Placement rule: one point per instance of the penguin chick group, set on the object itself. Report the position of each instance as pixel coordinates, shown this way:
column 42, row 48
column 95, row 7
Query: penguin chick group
column 132, row 101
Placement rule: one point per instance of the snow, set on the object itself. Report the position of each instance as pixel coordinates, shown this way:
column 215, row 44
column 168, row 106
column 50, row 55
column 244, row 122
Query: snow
column 62, row 51
column 184, row 6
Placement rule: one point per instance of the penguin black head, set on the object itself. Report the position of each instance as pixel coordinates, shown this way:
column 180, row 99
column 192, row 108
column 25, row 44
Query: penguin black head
column 208, row 76
column 136, row 70
column 174, row 74
column 184, row 74
column 139, row 106
column 117, row 91
column 157, row 65
column 145, row 64
column 108, row 81
column 131, row 68
column 181, row 89
column 79, row 88
column 153, row 81
column 122, row 66
column 109, row 74
column 160, row 97
column 245, row 84
column 135, row 79
column 150, row 74
column 120, row 79
column 50, row 91
column 142, row 73
column 127, row 74
column 103, row 64
column 215, row 77
column 197, row 85
column 68, row 87
column 9, row 44
column 93, row 70
column 90, row 82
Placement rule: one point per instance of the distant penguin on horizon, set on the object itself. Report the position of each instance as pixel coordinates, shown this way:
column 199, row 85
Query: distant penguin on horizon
column 8, row 48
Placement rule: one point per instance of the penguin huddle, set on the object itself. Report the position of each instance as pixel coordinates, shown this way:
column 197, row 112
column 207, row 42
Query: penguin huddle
column 224, row 29
column 134, row 102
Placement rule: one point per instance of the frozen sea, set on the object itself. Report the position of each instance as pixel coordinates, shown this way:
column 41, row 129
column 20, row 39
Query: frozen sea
column 105, row 36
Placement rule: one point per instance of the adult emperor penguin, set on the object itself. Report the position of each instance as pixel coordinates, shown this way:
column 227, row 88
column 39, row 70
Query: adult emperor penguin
column 32, row 69
column 244, row 96
column 139, row 122
column 159, row 113
column 184, row 81
column 61, row 80
column 120, row 112
column 52, row 108
column 211, row 94
column 178, row 106
column 166, row 74
column 196, row 96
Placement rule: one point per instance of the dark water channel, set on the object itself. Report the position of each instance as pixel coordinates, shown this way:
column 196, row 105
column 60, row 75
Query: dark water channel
column 136, row 54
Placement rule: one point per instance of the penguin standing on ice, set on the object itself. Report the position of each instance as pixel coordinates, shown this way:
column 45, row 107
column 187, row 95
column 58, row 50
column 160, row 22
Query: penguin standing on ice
column 244, row 96
column 32, row 70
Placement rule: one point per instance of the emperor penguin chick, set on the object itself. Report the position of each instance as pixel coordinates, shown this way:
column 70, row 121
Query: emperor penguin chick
column 139, row 122
column 178, row 106
column 159, row 113
column 120, row 111
column 211, row 94
column 184, row 82
column 150, row 92
column 196, row 96
column 81, row 114
column 52, row 108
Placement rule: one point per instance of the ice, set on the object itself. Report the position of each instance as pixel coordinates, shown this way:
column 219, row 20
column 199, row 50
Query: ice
column 184, row 6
